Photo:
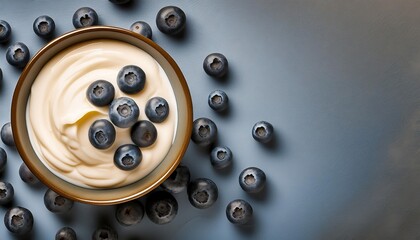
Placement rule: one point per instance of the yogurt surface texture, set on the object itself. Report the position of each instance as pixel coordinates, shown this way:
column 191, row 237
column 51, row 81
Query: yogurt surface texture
column 59, row 114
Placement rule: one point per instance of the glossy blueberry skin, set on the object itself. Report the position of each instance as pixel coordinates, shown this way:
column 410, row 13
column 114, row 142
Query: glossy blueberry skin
column 100, row 93
column 127, row 157
column 44, row 26
column 66, row 233
column 129, row 213
column 19, row 220
column 171, row 20
column 178, row 181
column 142, row 28
column 56, row 203
column 216, row 65
column 105, row 233
column 6, row 135
column 204, row 132
column 143, row 133
column 18, row 55
column 218, row 100
column 26, row 175
column 221, row 157
column 131, row 79
column 102, row 134
column 124, row 112
column 120, row 1
column 239, row 212
column 5, row 31
column 157, row 109
column 85, row 17
column 161, row 207
column 3, row 160
column 202, row 193
column 7, row 192
column 263, row 131
column 252, row 180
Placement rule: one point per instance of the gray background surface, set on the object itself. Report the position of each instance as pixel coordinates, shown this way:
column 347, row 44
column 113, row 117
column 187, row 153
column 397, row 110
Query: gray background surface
column 339, row 80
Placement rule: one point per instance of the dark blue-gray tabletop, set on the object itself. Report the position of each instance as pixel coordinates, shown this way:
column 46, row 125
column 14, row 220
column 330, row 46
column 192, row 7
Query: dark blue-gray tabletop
column 339, row 80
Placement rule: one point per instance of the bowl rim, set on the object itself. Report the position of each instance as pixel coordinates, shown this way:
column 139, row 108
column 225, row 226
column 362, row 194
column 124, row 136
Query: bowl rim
column 17, row 134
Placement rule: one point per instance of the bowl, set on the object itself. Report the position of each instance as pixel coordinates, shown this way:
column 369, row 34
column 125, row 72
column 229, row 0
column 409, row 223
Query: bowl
column 101, row 196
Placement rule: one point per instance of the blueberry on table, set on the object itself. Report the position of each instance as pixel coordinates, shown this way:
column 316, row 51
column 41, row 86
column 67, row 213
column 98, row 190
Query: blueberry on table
column 124, row 112
column 143, row 133
column 44, row 26
column 131, row 79
column 56, row 203
column 178, row 181
column 85, row 17
column 127, row 157
column 120, row 1
column 252, row 180
column 66, row 233
column 171, row 20
column 161, row 207
column 3, row 160
column 19, row 220
column 142, row 28
column 102, row 134
column 129, row 213
column 100, row 93
column 218, row 100
column 204, row 132
column 6, row 134
column 157, row 109
column 105, row 233
column 7, row 192
column 26, row 175
column 221, row 157
column 5, row 31
column 216, row 65
column 263, row 131
column 239, row 212
column 17, row 55
column 202, row 193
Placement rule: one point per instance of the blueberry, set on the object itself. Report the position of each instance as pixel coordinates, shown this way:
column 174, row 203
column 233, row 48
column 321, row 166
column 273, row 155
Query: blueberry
column 143, row 133
column 161, row 207
column 202, row 193
column 178, row 181
column 157, row 109
column 56, row 203
column 204, row 132
column 127, row 157
column 66, row 233
column 19, row 220
column 142, row 28
column 7, row 134
column 252, row 180
column 105, row 233
column 102, row 134
column 131, row 79
column 216, row 65
column 120, row 1
column 239, row 212
column 263, row 131
column 7, row 193
column 26, row 175
column 124, row 112
column 3, row 160
column 5, row 31
column 221, row 157
column 17, row 55
column 44, row 26
column 100, row 93
column 218, row 100
column 129, row 213
column 85, row 17
column 171, row 20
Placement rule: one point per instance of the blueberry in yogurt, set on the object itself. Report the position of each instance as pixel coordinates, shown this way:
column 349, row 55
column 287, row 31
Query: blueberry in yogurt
column 19, row 220
column 216, row 65
column 124, row 112
column 131, row 79
column 5, row 31
column 218, row 100
column 204, row 132
column 100, row 93
column 143, row 133
column 102, row 134
column 44, row 26
column 157, row 109
column 171, row 20
column 17, row 55
column 142, row 28
column 127, row 157
column 85, row 17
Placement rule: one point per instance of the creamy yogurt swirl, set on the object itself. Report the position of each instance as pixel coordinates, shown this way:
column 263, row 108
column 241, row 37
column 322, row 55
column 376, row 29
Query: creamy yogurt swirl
column 59, row 114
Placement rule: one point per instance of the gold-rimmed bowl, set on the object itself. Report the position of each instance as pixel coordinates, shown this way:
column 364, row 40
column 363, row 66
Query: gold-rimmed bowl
column 102, row 196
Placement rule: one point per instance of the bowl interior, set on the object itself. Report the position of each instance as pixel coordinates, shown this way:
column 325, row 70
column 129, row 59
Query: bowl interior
column 102, row 196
